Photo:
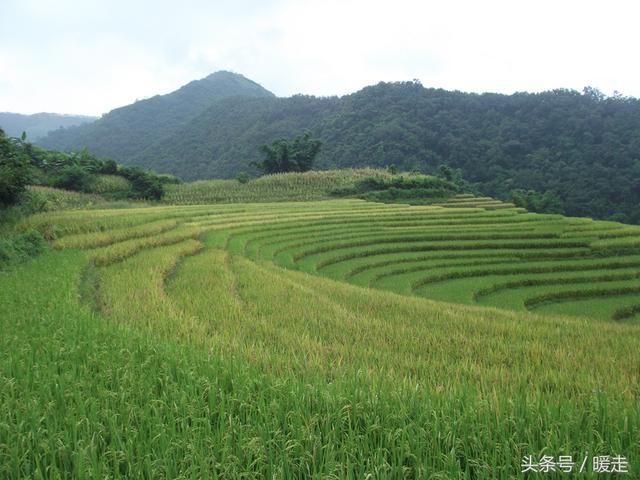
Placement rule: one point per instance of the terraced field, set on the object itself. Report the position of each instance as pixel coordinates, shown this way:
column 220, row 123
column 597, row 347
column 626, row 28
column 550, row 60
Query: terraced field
column 290, row 371
column 468, row 250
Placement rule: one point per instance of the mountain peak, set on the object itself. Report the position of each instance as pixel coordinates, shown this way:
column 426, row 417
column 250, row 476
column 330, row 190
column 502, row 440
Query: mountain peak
column 147, row 121
column 231, row 80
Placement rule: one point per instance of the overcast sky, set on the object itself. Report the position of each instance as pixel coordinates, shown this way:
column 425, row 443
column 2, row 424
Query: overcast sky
column 90, row 56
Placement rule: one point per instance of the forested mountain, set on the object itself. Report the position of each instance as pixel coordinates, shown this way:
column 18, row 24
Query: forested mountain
column 225, row 138
column 38, row 125
column 578, row 152
column 126, row 131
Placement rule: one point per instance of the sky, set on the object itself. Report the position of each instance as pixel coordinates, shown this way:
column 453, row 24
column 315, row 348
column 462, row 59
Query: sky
column 90, row 56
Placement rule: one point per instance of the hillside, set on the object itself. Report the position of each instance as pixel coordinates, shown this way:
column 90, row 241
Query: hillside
column 39, row 124
column 366, row 183
column 582, row 150
column 236, row 341
column 126, row 131
column 559, row 151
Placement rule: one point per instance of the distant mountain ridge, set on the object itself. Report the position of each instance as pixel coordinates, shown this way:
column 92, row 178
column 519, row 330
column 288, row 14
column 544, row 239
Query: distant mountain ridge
column 124, row 132
column 572, row 152
column 38, row 125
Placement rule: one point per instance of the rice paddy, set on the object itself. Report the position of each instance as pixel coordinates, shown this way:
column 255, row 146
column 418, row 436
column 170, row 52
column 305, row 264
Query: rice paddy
column 324, row 339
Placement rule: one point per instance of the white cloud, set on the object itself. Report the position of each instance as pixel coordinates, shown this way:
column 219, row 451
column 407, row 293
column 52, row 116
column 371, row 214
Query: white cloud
column 92, row 56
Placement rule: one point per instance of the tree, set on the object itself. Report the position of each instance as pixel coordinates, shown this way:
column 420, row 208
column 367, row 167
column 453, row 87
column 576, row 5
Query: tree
column 286, row 156
column 145, row 185
column 74, row 177
column 445, row 172
column 14, row 170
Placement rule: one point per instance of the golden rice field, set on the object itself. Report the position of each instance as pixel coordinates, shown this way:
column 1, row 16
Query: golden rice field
column 320, row 339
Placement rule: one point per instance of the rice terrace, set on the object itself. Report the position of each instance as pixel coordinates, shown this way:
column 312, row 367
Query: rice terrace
column 315, row 336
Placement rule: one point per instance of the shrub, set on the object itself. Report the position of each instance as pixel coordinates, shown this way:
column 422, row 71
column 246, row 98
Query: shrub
column 109, row 167
column 243, row 177
column 17, row 248
column 74, row 177
column 168, row 179
column 144, row 184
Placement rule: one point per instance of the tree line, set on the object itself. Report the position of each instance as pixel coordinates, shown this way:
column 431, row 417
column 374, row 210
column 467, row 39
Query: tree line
column 22, row 164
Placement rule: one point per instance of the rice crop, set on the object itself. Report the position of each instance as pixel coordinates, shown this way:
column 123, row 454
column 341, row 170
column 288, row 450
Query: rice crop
column 236, row 341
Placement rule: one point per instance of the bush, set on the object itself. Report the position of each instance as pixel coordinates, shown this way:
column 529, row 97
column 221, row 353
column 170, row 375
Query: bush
column 74, row 177
column 144, row 185
column 17, row 248
column 243, row 177
column 168, row 179
column 547, row 202
column 109, row 167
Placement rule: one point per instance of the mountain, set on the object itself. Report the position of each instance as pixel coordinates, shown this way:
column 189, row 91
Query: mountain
column 126, row 131
column 222, row 140
column 577, row 153
column 38, row 125
column 561, row 150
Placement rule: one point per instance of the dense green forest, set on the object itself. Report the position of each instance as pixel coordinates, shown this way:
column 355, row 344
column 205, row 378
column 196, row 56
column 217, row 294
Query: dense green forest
column 38, row 125
column 126, row 131
column 578, row 153
column 563, row 151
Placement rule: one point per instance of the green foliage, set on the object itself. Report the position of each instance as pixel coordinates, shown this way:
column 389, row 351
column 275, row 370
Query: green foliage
column 14, row 170
column 79, row 171
column 413, row 189
column 284, row 156
column 584, row 148
column 243, row 177
column 17, row 248
column 109, row 167
column 537, row 202
column 144, row 185
column 74, row 177
column 168, row 179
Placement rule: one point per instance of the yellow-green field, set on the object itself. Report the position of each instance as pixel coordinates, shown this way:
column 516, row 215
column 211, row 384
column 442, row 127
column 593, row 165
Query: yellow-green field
column 323, row 339
column 293, row 186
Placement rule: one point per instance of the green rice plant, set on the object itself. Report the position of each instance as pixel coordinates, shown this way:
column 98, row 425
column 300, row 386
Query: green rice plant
column 516, row 298
column 607, row 291
column 312, row 185
column 332, row 258
column 131, row 291
column 119, row 251
column 59, row 199
column 619, row 308
column 99, row 239
column 529, row 269
column 624, row 313
column 187, row 360
column 623, row 242
column 306, row 257
column 110, row 183
column 631, row 274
